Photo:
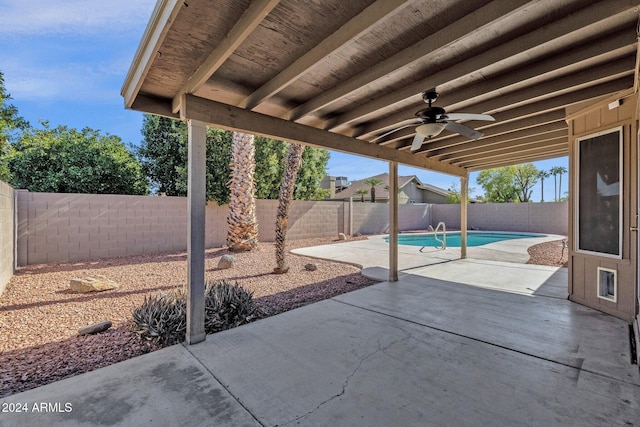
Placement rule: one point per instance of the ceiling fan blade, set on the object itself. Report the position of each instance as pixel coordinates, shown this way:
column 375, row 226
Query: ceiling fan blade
column 417, row 142
column 469, row 116
column 392, row 131
column 463, row 130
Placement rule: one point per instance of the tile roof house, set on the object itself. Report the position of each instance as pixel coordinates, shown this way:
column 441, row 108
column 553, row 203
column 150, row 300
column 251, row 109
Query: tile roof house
column 411, row 190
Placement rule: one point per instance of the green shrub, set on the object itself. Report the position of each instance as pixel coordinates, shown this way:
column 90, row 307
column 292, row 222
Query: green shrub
column 163, row 317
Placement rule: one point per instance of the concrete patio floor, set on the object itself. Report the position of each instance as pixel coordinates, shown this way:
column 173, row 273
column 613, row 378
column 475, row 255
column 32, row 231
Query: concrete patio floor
column 422, row 351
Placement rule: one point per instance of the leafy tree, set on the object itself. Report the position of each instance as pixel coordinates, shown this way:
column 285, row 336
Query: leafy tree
column 9, row 122
column 526, row 176
column 372, row 182
column 311, row 172
column 455, row 194
column 163, row 154
column 64, row 160
column 498, row 184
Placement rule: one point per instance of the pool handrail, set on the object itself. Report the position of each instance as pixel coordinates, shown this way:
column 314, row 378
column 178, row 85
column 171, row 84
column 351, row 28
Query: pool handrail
column 443, row 241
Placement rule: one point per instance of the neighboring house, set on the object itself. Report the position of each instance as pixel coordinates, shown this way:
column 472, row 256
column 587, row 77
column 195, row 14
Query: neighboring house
column 410, row 190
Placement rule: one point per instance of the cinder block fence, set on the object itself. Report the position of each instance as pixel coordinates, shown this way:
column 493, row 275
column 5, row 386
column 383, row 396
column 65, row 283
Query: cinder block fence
column 50, row 227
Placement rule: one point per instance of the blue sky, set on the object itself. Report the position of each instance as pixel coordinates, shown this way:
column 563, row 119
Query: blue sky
column 65, row 62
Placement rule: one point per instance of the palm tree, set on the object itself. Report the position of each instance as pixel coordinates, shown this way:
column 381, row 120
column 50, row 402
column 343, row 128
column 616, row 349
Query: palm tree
column 362, row 192
column 242, row 234
column 561, row 171
column 372, row 182
column 542, row 175
column 555, row 171
column 293, row 162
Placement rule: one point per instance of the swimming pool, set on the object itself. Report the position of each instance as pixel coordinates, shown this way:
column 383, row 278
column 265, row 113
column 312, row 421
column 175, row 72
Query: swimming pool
column 474, row 238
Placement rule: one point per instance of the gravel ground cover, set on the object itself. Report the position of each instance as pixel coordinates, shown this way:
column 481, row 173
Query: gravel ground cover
column 40, row 317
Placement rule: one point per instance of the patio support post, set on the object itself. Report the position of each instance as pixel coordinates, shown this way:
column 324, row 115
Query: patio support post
column 393, row 221
column 196, row 202
column 464, row 191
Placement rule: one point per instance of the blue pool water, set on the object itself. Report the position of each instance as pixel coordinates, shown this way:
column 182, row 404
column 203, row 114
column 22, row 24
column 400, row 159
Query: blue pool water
column 474, row 238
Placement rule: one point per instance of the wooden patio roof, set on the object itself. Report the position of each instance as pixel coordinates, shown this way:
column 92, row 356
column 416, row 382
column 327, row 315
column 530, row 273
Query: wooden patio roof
column 337, row 74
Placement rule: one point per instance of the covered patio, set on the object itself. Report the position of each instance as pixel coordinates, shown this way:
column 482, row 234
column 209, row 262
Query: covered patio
column 341, row 75
column 417, row 352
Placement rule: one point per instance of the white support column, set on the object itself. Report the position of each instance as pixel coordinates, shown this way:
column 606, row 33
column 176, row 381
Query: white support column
column 196, row 202
column 464, row 191
column 393, row 221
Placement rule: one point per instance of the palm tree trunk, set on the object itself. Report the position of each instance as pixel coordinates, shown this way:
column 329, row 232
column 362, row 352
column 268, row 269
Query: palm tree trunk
column 242, row 234
column 542, row 183
column 560, row 188
column 293, row 162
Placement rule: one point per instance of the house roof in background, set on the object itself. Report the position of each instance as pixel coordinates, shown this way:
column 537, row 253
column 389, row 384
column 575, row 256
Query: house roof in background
column 382, row 190
column 338, row 74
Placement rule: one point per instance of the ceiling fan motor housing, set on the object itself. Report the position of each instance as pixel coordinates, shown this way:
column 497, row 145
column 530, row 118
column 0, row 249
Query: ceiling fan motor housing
column 431, row 114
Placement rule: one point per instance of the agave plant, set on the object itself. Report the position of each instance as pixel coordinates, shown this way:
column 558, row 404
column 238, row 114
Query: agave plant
column 163, row 317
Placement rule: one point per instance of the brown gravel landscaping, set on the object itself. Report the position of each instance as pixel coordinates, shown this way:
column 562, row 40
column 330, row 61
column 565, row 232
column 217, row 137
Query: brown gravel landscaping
column 40, row 317
column 549, row 253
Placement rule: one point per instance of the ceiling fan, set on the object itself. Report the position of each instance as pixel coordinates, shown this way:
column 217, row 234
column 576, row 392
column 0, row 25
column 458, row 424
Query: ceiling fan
column 433, row 120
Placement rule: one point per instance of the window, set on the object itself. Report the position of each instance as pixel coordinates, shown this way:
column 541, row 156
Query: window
column 599, row 194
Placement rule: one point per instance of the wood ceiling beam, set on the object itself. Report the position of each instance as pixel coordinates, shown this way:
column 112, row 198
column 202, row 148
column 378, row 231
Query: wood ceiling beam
column 351, row 30
column 486, row 142
column 464, row 27
column 235, row 118
column 505, row 145
column 601, row 50
column 585, row 21
column 509, row 147
column 529, row 152
column 489, row 164
column 250, row 19
column 163, row 15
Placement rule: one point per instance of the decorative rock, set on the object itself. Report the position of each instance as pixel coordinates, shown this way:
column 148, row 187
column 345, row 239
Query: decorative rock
column 311, row 267
column 92, row 283
column 342, row 236
column 227, row 261
column 94, row 329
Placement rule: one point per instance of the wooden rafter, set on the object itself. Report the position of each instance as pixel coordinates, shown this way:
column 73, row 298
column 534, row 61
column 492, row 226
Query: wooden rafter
column 250, row 19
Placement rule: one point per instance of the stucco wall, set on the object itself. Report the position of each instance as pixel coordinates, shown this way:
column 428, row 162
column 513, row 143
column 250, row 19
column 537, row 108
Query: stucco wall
column 7, row 234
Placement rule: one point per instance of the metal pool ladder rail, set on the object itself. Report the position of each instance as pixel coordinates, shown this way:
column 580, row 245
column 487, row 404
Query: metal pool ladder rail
column 443, row 242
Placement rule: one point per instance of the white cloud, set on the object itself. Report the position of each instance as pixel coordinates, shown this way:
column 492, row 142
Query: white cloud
column 72, row 16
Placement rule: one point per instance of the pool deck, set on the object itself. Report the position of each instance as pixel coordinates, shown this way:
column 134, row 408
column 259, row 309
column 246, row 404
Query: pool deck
column 374, row 252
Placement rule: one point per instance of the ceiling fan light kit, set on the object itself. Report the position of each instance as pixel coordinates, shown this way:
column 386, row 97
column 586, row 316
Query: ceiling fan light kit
column 429, row 130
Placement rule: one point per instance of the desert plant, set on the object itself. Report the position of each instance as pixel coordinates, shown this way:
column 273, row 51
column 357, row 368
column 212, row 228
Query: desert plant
column 163, row 317
column 227, row 306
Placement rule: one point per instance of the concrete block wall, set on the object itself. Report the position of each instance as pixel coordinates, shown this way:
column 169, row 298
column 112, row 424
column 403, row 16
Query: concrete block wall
column 75, row 227
column 7, row 234
column 551, row 218
column 306, row 219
